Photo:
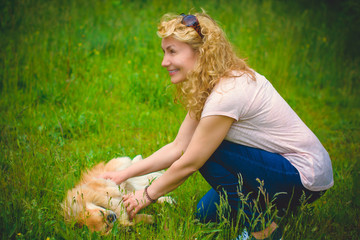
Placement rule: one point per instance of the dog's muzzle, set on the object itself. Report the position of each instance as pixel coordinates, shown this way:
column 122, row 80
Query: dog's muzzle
column 111, row 217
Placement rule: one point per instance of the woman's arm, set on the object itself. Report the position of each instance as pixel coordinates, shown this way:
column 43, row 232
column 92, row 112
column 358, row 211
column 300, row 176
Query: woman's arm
column 208, row 135
column 161, row 159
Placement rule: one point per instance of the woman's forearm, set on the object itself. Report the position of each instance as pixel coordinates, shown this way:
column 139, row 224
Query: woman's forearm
column 199, row 146
column 161, row 159
column 171, row 179
column 208, row 136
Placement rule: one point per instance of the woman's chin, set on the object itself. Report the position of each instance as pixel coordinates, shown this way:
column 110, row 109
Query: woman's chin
column 175, row 80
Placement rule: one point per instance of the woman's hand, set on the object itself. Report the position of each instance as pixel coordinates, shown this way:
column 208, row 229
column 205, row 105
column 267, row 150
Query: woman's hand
column 134, row 202
column 116, row 177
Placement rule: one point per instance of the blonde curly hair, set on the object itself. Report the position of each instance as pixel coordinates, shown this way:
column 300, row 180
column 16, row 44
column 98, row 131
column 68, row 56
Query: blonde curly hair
column 216, row 59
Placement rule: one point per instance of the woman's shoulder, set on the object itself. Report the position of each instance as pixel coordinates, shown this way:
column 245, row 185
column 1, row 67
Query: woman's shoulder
column 231, row 97
column 238, row 79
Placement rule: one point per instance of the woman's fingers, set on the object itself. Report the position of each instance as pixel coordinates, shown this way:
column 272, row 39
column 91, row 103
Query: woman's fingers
column 132, row 213
column 125, row 197
column 131, row 205
column 113, row 176
column 134, row 202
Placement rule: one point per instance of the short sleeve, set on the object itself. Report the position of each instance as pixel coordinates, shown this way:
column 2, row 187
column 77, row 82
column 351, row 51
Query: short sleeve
column 228, row 98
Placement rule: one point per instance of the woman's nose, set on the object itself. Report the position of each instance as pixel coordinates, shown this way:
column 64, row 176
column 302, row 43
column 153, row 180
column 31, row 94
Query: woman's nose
column 165, row 62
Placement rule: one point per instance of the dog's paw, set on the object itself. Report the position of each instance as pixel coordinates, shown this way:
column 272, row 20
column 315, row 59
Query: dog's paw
column 137, row 159
column 165, row 199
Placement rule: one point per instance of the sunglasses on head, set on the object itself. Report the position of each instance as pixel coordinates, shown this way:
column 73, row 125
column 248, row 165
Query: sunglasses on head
column 191, row 21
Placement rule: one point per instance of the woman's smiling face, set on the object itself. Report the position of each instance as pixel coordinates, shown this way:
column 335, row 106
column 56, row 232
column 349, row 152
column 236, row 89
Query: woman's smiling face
column 179, row 59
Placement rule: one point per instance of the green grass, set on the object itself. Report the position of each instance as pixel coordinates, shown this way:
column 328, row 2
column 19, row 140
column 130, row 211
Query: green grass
column 81, row 82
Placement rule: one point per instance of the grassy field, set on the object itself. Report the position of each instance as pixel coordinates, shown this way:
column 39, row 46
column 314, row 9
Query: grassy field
column 81, row 83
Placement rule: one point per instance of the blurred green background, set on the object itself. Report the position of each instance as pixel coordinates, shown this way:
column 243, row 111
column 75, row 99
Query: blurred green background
column 81, row 82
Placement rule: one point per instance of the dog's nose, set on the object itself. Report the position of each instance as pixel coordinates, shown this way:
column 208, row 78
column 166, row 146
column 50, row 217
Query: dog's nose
column 111, row 217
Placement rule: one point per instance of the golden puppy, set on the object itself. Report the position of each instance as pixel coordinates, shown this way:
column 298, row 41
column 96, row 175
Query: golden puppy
column 97, row 202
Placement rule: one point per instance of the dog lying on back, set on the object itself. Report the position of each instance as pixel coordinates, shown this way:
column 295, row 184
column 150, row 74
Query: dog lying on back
column 97, row 203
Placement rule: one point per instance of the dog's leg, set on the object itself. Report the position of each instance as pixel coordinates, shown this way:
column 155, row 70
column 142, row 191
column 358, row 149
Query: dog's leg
column 143, row 218
column 165, row 199
column 118, row 164
column 137, row 159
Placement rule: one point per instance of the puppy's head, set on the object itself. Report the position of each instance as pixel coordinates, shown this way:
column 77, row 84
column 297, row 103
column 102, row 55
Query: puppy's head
column 80, row 206
column 97, row 218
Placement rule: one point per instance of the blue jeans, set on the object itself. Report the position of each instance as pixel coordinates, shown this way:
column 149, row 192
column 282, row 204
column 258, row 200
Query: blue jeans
column 222, row 171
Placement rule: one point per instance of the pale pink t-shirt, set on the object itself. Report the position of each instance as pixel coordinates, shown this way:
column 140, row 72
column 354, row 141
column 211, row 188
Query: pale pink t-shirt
column 264, row 120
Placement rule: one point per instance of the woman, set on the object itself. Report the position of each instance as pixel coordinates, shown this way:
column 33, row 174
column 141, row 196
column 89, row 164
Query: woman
column 237, row 125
